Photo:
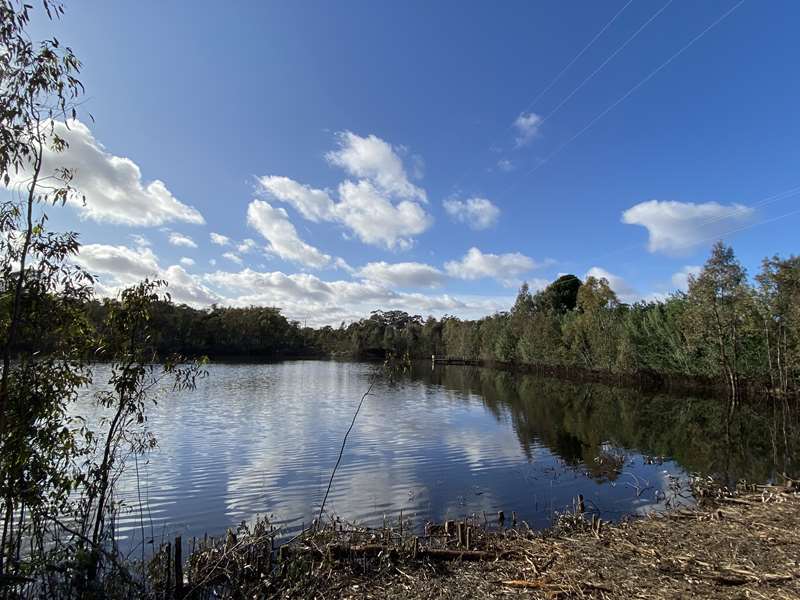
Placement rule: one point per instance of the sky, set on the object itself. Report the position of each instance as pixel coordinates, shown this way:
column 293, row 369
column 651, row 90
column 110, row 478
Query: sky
column 335, row 158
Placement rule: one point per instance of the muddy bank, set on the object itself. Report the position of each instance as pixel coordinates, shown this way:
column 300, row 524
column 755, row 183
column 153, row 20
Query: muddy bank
column 742, row 545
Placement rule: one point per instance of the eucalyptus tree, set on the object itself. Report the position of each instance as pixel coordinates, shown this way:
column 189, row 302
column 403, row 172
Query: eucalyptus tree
column 592, row 329
column 41, row 293
column 719, row 321
column 779, row 296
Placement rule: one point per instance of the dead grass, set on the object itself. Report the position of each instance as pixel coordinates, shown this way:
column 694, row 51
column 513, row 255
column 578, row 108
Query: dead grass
column 745, row 545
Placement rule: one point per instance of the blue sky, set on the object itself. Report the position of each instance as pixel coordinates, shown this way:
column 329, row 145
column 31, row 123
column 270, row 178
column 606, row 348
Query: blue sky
column 428, row 156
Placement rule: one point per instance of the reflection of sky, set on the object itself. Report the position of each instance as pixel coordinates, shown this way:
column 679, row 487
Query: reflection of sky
column 261, row 440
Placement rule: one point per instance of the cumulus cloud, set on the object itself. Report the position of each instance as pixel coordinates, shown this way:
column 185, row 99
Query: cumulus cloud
column 314, row 205
column 527, row 127
column 246, row 245
column 118, row 267
column 186, row 261
column 281, row 235
column 179, row 239
column 404, row 274
column 300, row 295
column 304, row 296
column 478, row 213
column 674, row 227
column 185, row 288
column 127, row 265
column 376, row 160
column 112, row 185
column 233, row 257
column 506, row 268
column 376, row 220
column 681, row 279
column 219, row 239
column 625, row 292
column 381, row 207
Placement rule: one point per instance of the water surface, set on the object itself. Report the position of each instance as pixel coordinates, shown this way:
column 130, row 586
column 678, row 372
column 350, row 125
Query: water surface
column 443, row 442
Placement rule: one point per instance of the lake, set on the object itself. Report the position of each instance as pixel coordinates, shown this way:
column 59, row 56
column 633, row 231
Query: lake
column 436, row 443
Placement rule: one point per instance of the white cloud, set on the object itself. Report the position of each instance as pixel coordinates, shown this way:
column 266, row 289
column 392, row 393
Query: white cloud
column 376, row 220
column 219, row 239
column 675, row 227
column 301, row 295
column 178, row 239
column 506, row 268
column 274, row 225
column 246, row 245
column 118, row 267
column 341, row 263
column 233, row 257
column 374, row 159
column 188, row 289
column 314, row 205
column 140, row 240
column 625, row 292
column 128, row 266
column 478, row 213
column 526, row 126
column 681, row 279
column 382, row 207
column 111, row 185
column 405, row 274
column 306, row 297
column 505, row 165
column 186, row 261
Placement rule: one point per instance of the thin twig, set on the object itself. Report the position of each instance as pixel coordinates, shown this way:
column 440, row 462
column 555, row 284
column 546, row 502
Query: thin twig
column 341, row 450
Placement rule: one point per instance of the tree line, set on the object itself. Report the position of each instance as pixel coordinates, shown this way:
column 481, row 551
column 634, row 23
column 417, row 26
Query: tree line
column 725, row 328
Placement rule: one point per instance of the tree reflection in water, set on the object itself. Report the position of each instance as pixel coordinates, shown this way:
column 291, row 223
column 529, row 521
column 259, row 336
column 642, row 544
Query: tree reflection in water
column 591, row 426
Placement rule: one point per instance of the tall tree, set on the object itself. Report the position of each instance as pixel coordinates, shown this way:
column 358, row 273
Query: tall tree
column 720, row 315
column 779, row 294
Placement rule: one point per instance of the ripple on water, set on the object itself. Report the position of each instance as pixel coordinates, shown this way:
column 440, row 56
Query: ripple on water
column 261, row 440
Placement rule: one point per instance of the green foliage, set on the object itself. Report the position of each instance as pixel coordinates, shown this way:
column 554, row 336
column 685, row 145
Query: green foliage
column 560, row 296
column 720, row 320
column 779, row 304
column 253, row 332
column 722, row 330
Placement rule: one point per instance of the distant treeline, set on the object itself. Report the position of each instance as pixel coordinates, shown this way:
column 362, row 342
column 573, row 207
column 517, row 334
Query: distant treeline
column 723, row 328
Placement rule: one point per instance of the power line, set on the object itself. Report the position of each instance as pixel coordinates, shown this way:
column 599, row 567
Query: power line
column 606, row 61
column 575, row 58
column 635, row 87
column 561, row 73
column 738, row 229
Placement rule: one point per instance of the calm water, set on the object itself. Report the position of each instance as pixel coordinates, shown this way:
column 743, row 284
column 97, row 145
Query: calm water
column 439, row 443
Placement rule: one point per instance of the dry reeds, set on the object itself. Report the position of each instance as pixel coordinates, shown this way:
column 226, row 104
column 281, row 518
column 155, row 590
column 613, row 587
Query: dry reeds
column 733, row 545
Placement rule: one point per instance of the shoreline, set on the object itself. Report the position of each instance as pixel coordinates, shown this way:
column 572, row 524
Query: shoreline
column 732, row 545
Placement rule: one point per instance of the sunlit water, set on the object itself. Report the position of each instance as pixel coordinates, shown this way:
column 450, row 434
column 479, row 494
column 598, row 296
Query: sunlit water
column 443, row 442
